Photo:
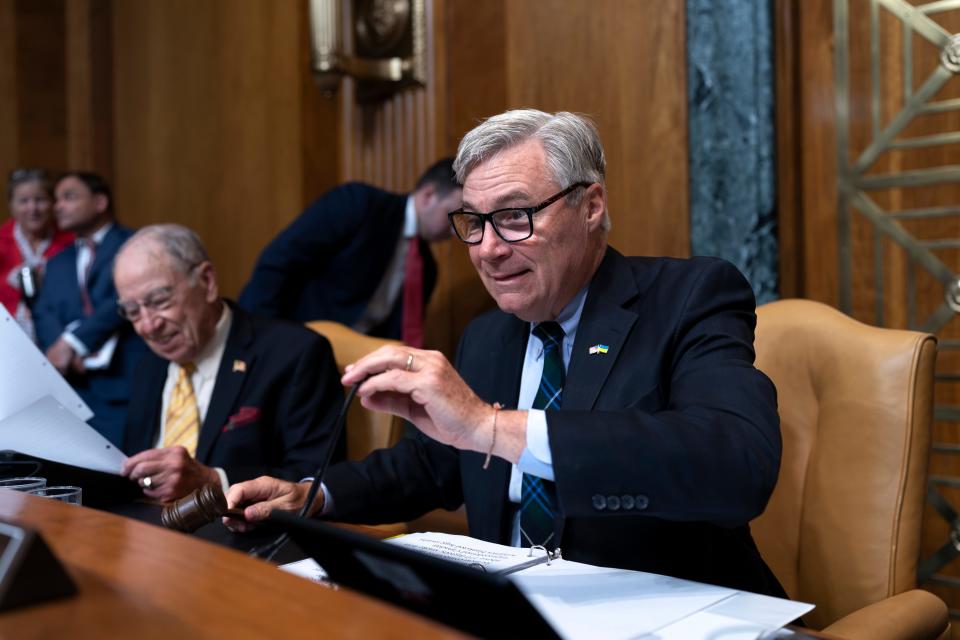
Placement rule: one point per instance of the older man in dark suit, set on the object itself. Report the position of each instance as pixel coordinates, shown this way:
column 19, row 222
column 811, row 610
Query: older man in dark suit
column 609, row 407
column 225, row 396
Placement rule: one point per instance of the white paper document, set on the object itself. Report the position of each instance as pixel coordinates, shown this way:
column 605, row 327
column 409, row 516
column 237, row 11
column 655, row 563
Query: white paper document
column 306, row 568
column 586, row 601
column 47, row 430
column 743, row 616
column 26, row 375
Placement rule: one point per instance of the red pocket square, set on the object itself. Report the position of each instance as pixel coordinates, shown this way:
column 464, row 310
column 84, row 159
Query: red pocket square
column 245, row 415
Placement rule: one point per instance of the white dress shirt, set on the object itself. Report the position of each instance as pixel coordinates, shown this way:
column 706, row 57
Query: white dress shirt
column 536, row 458
column 204, row 378
column 391, row 284
column 85, row 258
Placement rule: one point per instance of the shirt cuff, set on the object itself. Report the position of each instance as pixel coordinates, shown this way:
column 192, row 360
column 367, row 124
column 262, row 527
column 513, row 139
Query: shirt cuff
column 74, row 342
column 327, row 498
column 223, row 479
column 327, row 501
column 536, row 459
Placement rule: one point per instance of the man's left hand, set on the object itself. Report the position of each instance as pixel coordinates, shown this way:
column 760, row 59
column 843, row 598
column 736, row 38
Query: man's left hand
column 172, row 472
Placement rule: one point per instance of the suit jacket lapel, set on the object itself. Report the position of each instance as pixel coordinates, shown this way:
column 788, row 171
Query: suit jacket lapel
column 103, row 257
column 604, row 321
column 229, row 382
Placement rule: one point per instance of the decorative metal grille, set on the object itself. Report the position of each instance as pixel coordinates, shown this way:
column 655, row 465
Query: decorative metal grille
column 865, row 190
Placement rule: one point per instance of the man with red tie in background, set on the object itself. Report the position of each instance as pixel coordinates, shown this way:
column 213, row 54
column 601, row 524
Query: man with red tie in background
column 360, row 256
column 75, row 313
column 224, row 396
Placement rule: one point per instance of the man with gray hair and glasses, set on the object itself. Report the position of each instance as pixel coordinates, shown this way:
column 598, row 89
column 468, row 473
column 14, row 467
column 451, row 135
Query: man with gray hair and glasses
column 225, row 396
column 609, row 407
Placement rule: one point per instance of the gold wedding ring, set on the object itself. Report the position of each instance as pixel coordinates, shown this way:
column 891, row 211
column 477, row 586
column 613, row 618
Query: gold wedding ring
column 409, row 366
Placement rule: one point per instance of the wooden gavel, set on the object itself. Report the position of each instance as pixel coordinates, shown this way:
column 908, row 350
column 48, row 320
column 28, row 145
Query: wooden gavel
column 198, row 508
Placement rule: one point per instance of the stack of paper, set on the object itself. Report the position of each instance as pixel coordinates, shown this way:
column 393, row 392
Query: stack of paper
column 586, row 601
column 40, row 414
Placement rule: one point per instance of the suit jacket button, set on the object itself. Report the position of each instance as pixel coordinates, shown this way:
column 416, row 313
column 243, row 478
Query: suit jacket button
column 641, row 501
column 599, row 502
column 626, row 501
column 613, row 503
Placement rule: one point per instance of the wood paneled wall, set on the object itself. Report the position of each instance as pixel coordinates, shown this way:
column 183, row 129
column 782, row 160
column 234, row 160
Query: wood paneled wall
column 806, row 145
column 9, row 131
column 621, row 63
column 33, row 93
column 206, row 114
column 212, row 102
column 199, row 113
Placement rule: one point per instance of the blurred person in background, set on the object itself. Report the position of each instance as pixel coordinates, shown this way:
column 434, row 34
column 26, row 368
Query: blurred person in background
column 75, row 315
column 359, row 256
column 27, row 240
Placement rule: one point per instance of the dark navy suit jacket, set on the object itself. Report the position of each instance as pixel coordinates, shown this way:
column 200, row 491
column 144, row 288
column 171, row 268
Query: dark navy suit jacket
column 273, row 408
column 666, row 447
column 59, row 303
column 329, row 262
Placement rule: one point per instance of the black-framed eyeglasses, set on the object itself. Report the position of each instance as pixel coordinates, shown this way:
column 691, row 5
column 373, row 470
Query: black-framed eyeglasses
column 512, row 225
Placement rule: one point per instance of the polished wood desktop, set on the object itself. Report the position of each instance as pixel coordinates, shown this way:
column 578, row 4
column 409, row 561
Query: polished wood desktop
column 137, row 580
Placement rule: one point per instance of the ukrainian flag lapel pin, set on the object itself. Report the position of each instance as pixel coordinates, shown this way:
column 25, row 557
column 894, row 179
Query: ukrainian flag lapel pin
column 239, row 365
column 599, row 348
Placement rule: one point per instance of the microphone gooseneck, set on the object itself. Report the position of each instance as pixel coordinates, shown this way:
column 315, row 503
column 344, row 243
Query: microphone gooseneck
column 270, row 549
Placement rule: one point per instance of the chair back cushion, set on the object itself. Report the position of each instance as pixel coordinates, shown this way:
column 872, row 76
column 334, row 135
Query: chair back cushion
column 842, row 529
column 366, row 430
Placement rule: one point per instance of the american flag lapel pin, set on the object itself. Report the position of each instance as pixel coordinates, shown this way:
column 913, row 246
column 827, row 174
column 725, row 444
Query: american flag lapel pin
column 239, row 365
column 599, row 348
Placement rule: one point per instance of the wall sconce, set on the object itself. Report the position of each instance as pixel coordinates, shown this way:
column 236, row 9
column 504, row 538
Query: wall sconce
column 381, row 43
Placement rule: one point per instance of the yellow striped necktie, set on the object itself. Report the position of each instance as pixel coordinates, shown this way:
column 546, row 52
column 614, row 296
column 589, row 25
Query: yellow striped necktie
column 183, row 415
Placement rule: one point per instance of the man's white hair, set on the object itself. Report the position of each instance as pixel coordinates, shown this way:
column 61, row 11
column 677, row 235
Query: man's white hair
column 570, row 142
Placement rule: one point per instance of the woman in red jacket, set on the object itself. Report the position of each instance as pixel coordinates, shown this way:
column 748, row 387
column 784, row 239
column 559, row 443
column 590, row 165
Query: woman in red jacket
column 27, row 240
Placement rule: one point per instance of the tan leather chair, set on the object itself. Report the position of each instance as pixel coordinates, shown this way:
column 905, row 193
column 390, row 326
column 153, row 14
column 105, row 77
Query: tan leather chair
column 366, row 430
column 842, row 529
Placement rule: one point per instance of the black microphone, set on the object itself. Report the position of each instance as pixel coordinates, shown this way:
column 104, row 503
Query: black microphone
column 270, row 549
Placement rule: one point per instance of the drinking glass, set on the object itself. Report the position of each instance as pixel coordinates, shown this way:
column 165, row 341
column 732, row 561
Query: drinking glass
column 70, row 495
column 23, row 484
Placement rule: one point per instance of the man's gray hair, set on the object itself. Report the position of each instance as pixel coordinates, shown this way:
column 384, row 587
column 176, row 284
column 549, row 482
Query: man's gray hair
column 570, row 141
column 179, row 243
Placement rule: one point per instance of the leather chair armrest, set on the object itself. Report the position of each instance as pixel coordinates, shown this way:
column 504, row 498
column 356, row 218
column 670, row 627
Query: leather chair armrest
column 911, row 615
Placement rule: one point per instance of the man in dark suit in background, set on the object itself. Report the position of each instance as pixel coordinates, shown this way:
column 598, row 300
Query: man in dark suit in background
column 75, row 313
column 635, row 431
column 360, row 256
column 225, row 396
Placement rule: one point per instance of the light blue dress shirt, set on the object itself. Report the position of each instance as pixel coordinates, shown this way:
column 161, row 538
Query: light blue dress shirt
column 536, row 458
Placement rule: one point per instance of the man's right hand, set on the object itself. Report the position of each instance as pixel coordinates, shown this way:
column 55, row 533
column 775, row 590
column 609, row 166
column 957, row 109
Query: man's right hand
column 261, row 496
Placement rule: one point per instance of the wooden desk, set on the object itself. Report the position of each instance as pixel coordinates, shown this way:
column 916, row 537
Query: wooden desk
column 140, row 581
